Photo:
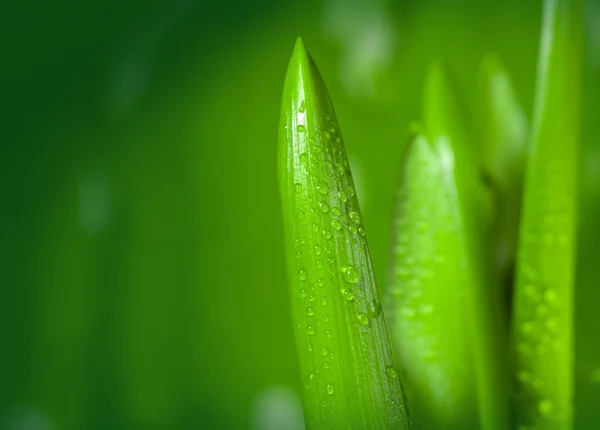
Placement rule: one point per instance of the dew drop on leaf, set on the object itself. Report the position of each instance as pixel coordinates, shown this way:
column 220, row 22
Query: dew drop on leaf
column 311, row 330
column 374, row 308
column 324, row 207
column 310, row 312
column 302, row 274
column 301, row 128
column 351, row 275
column 347, row 293
column 545, row 407
column 336, row 225
column 309, row 380
column 322, row 188
column 363, row 319
column 354, row 217
column 391, row 371
column 330, row 389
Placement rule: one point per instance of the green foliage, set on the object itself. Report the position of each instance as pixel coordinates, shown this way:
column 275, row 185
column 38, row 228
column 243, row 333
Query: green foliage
column 345, row 358
column 471, row 203
column 542, row 327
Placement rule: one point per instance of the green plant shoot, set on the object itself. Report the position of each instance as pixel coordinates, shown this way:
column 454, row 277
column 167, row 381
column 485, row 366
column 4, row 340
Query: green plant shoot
column 443, row 321
column 346, row 362
column 543, row 306
column 502, row 133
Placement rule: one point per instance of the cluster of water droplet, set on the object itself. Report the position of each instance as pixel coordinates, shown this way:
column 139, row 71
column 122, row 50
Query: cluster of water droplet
column 332, row 280
column 544, row 275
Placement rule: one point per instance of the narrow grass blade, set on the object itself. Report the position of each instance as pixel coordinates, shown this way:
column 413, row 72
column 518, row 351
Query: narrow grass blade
column 502, row 134
column 345, row 358
column 443, row 320
column 543, row 314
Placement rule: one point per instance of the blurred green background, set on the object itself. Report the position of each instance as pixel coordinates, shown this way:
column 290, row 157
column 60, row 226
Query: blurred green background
column 142, row 263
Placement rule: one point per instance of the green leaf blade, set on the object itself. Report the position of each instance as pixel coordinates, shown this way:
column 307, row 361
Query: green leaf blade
column 345, row 359
column 503, row 133
column 474, row 327
column 543, row 308
column 426, row 296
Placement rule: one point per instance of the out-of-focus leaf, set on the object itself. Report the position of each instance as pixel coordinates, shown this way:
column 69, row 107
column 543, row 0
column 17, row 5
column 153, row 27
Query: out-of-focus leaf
column 502, row 134
column 427, row 306
column 543, row 308
column 345, row 358
column 441, row 301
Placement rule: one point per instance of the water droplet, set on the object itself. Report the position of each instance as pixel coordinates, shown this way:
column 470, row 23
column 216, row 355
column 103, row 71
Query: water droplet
column 301, row 128
column 327, row 234
column 343, row 196
column 331, row 260
column 391, row 371
column 319, row 263
column 323, row 301
column 351, row 191
column 299, row 326
column 299, row 253
column 303, row 293
column 361, row 231
column 304, row 158
column 336, row 211
column 426, row 309
column 545, row 407
column 310, row 312
column 302, row 107
column 374, row 308
column 324, row 207
column 318, row 249
column 524, row 376
column 302, row 240
column 330, row 389
column 309, row 380
column 326, row 318
column 550, row 296
column 336, row 225
column 352, row 229
column 315, row 228
column 322, row 188
column 325, row 365
column 311, row 330
column 328, row 332
column 302, row 274
column 351, row 275
column 311, row 298
column 320, row 282
column 408, row 312
column 347, row 293
column 354, row 217
column 363, row 319
column 298, row 187
column 324, row 351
